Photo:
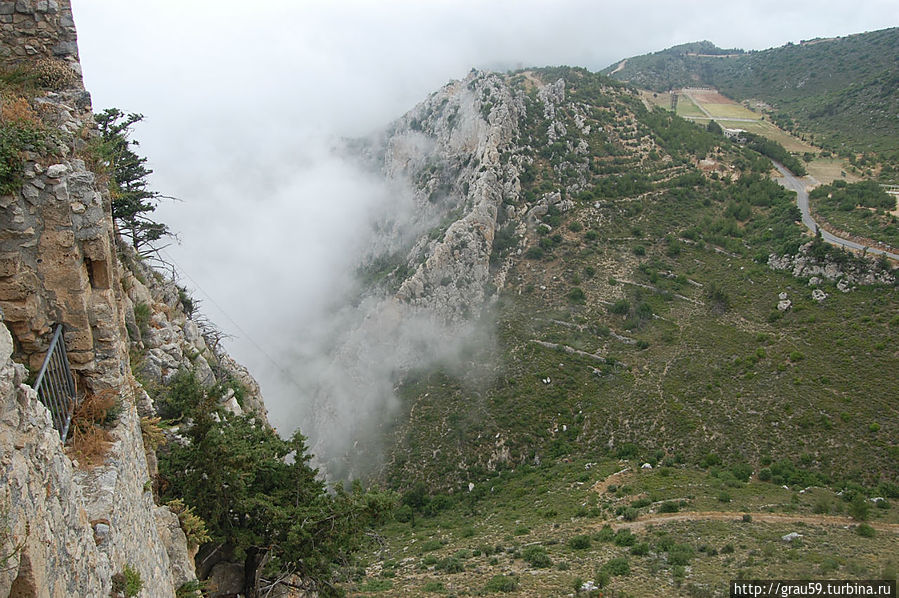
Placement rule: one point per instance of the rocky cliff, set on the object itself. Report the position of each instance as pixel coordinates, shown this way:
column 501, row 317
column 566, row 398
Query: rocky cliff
column 78, row 523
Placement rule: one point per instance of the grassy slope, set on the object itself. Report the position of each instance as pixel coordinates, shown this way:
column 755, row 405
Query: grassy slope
column 505, row 524
column 844, row 90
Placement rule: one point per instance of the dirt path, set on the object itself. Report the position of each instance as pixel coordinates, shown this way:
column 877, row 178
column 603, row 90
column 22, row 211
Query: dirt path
column 732, row 516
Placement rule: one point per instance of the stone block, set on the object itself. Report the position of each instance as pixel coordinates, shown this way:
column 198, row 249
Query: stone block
column 80, row 357
column 65, row 49
column 21, row 311
column 14, row 290
column 9, row 264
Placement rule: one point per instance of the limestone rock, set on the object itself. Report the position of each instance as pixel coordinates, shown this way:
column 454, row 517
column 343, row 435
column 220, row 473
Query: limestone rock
column 226, row 579
column 175, row 542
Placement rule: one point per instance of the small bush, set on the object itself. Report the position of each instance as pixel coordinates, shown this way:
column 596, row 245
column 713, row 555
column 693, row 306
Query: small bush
column 865, row 531
column 605, row 534
column 536, row 557
column 128, row 582
column 501, row 583
column 451, row 565
column 669, row 507
column 90, row 439
column 142, row 317
column 858, row 508
column 641, row 549
column 577, row 295
column 434, row 586
column 617, row 566
column 579, row 542
column 430, row 545
column 624, row 537
column 193, row 526
column 680, row 554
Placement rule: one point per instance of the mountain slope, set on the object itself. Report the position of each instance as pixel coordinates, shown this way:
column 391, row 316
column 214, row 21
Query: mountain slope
column 666, row 338
column 844, row 90
column 633, row 307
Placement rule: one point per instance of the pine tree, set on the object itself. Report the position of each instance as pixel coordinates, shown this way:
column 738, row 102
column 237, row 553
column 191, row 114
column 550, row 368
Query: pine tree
column 132, row 200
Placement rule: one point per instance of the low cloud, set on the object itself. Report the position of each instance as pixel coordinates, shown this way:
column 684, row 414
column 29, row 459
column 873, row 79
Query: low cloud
column 244, row 104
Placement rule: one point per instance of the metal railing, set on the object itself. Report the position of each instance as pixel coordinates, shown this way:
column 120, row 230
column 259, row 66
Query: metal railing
column 55, row 385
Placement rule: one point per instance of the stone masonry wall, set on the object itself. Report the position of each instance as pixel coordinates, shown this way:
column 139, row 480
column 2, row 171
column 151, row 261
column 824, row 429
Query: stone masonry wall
column 32, row 30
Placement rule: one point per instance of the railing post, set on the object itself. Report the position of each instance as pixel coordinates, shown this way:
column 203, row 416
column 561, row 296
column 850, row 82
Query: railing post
column 55, row 385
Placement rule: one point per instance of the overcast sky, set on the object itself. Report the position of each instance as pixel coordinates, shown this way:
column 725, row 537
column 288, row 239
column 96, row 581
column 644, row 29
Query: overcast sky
column 243, row 99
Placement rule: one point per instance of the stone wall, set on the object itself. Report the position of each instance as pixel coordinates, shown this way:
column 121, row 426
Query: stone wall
column 33, row 31
column 57, row 250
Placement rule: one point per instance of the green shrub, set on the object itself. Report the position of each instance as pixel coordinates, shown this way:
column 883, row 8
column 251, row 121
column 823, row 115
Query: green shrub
column 680, row 554
column 193, row 526
column 434, row 586
column 430, row 545
column 501, row 583
column 624, row 537
column 641, row 549
column 128, row 582
column 577, row 295
column 451, row 565
column 605, row 534
column 617, row 566
column 669, row 507
column 858, row 508
column 536, row 557
column 579, row 542
column 865, row 531
column 142, row 317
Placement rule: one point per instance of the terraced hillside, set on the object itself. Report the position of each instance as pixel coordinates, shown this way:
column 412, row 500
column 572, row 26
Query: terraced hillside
column 639, row 315
column 843, row 90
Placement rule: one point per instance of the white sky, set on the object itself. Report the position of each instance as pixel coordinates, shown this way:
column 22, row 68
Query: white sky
column 242, row 100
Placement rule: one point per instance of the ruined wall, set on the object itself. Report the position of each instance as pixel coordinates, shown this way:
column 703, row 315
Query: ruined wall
column 56, row 232
column 37, row 29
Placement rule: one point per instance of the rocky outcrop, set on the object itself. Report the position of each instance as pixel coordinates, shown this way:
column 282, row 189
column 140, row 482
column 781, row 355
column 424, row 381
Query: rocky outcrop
column 170, row 337
column 453, row 150
column 845, row 270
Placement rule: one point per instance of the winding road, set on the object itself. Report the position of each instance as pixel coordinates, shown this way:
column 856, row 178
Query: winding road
column 789, row 181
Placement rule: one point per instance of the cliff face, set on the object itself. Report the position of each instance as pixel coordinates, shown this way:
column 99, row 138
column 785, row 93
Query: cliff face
column 69, row 527
column 453, row 150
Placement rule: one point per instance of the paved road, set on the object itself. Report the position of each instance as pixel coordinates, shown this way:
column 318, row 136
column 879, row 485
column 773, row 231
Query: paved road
column 792, row 183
